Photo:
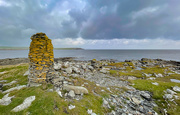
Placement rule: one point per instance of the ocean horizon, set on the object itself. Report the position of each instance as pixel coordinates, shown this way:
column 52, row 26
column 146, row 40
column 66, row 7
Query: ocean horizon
column 117, row 54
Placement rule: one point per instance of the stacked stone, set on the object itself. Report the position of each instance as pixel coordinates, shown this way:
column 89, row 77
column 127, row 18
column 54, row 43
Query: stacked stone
column 41, row 67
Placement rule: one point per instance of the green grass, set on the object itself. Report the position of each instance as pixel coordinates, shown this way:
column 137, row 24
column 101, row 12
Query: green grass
column 138, row 73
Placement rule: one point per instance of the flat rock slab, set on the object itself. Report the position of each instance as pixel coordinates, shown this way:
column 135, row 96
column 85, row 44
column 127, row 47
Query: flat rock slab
column 9, row 84
column 2, row 81
column 175, row 80
column 76, row 89
column 27, row 102
column 6, row 100
column 14, row 88
column 26, row 73
column 3, row 72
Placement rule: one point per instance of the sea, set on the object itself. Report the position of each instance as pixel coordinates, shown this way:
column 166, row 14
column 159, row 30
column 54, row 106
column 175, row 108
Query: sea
column 119, row 55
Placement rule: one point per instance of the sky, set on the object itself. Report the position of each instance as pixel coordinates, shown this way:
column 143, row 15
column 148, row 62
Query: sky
column 92, row 24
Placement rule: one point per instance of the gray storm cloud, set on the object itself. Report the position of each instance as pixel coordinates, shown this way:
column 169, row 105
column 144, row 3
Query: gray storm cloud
column 89, row 19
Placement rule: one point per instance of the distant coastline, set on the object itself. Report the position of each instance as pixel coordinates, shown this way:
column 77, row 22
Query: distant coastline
column 26, row 48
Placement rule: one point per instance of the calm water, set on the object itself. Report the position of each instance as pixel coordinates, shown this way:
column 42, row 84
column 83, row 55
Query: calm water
column 119, row 55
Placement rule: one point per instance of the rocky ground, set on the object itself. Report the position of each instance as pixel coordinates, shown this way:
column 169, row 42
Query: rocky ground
column 132, row 87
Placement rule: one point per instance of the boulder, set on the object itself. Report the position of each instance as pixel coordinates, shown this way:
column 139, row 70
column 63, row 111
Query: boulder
column 155, row 83
column 170, row 91
column 84, row 66
column 176, row 88
column 9, row 84
column 76, row 89
column 90, row 67
column 135, row 100
column 104, row 70
column 168, row 96
column 145, row 95
column 26, row 73
column 71, row 94
column 158, row 75
column 27, row 102
column 55, row 80
column 68, row 70
column 76, row 70
column 66, row 64
column 15, row 88
column 147, row 75
column 57, row 66
column 6, row 100
column 71, row 107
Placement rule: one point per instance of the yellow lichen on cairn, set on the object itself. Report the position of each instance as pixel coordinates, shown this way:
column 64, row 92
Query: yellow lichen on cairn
column 41, row 57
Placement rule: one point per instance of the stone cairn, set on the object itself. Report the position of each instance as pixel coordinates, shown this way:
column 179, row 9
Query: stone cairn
column 41, row 57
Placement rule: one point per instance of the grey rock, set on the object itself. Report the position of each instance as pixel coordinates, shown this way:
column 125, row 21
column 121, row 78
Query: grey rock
column 131, row 78
column 76, row 70
column 90, row 67
column 176, row 88
column 151, row 78
column 168, row 96
column 27, row 102
column 55, row 80
column 50, row 90
column 135, row 100
column 6, row 100
column 170, row 91
column 57, row 66
column 175, row 80
column 158, row 75
column 15, row 88
column 71, row 94
column 3, row 72
column 59, row 93
column 105, row 102
column 9, row 84
column 71, row 107
column 26, row 73
column 145, row 95
column 68, row 70
column 66, row 64
column 155, row 83
column 65, row 82
column 2, row 81
column 76, row 89
column 147, row 75
column 105, row 70
column 84, row 66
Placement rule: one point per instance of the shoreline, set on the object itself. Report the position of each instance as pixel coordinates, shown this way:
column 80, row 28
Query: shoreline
column 14, row 61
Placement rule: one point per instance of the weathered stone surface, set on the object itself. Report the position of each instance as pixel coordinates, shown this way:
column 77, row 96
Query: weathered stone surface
column 176, row 88
column 168, row 96
column 26, row 73
column 68, row 70
column 6, row 100
column 170, row 91
column 76, row 89
column 15, row 88
column 9, row 84
column 27, row 102
column 145, row 95
column 41, row 67
column 71, row 94
column 57, row 66
column 71, row 107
